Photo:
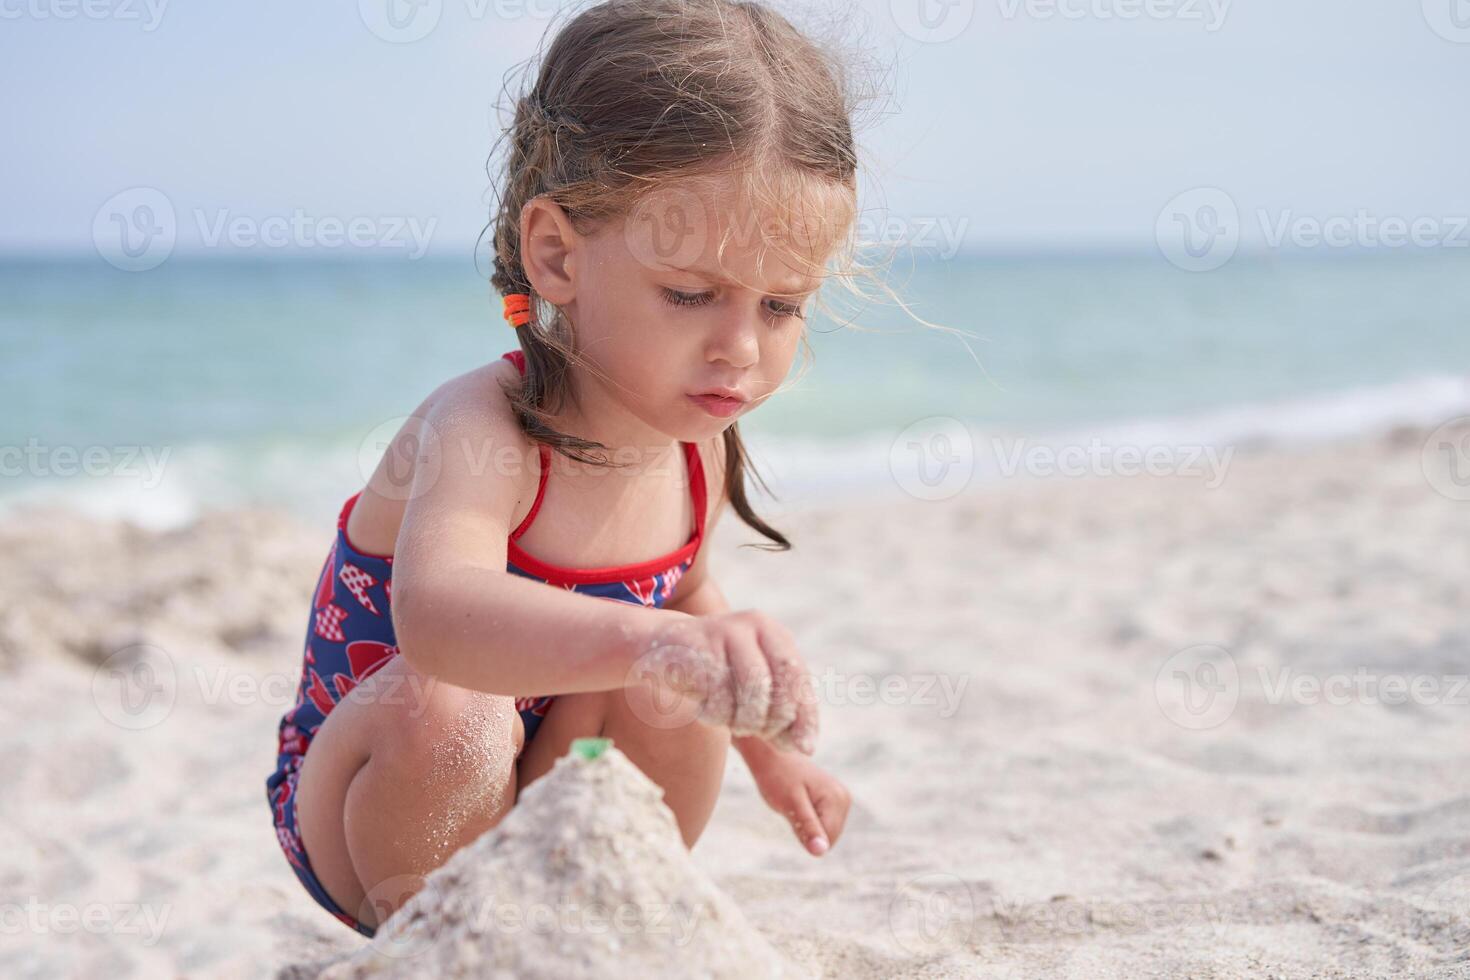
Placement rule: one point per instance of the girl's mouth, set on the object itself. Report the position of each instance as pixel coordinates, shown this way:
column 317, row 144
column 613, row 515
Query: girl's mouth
column 718, row 405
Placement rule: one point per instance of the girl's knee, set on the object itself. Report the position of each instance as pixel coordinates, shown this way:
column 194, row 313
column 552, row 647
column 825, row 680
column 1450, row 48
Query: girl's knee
column 421, row 720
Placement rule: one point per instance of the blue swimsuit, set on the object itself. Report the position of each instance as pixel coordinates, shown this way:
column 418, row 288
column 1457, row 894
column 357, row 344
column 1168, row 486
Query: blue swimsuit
column 350, row 636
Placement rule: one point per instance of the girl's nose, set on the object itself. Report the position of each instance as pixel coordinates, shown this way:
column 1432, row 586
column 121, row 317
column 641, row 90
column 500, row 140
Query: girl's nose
column 736, row 340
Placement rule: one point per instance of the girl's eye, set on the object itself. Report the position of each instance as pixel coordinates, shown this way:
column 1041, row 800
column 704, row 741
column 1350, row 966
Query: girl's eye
column 787, row 309
column 676, row 298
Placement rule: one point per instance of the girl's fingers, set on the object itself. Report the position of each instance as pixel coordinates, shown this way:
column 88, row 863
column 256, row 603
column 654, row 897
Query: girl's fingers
column 808, row 827
column 832, row 811
column 750, row 680
column 787, row 672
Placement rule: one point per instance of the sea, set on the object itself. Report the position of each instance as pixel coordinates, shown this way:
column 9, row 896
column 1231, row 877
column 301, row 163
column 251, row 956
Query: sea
column 210, row 382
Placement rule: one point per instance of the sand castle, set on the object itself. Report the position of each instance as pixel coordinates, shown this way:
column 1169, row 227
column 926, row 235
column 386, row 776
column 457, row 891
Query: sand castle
column 587, row 876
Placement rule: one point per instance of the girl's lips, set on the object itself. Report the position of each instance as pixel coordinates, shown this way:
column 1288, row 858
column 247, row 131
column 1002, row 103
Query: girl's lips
column 717, row 405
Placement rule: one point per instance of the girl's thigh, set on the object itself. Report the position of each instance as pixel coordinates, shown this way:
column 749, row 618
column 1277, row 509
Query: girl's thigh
column 403, row 772
column 686, row 760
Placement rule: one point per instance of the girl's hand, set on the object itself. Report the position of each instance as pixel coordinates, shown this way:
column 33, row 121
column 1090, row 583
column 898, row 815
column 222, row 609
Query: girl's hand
column 738, row 670
column 814, row 801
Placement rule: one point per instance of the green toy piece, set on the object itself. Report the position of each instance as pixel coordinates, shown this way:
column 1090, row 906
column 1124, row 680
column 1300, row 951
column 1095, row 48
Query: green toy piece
column 590, row 748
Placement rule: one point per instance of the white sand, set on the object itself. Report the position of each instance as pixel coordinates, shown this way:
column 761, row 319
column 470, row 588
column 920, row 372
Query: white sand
column 1033, row 796
column 587, row 871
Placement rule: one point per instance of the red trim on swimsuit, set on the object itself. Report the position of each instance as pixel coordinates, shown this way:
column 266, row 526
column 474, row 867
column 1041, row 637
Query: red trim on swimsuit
column 561, row 575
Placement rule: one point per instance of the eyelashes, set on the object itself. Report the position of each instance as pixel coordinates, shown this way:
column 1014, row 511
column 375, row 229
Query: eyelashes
column 675, row 297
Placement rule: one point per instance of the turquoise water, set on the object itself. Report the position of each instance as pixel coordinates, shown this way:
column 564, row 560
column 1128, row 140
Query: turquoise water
column 262, row 378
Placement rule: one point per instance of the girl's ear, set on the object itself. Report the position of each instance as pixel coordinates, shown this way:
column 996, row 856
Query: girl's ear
column 548, row 242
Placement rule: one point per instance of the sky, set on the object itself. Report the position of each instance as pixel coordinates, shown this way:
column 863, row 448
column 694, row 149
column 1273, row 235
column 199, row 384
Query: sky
column 1009, row 124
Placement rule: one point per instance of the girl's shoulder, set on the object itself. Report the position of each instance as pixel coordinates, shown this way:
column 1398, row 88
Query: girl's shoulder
column 471, row 425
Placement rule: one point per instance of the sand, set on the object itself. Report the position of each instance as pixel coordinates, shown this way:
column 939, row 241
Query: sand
column 1038, row 789
column 587, row 871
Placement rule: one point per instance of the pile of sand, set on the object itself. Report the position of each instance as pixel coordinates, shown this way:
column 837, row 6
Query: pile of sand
column 588, row 872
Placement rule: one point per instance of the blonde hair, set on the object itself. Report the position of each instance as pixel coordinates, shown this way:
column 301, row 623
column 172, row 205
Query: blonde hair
column 635, row 95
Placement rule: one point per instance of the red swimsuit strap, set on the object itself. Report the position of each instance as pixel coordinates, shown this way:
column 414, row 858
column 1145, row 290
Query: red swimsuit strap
column 697, row 490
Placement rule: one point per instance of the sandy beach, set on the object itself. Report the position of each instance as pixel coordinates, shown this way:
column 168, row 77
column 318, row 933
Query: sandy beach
column 1094, row 727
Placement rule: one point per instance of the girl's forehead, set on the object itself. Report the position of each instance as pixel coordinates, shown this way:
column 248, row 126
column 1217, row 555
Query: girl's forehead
column 740, row 230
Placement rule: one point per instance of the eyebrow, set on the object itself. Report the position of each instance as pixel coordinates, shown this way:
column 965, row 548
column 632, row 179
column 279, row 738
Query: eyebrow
column 718, row 278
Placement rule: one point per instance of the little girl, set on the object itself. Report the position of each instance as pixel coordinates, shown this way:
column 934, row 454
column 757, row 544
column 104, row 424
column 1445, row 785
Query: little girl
column 680, row 175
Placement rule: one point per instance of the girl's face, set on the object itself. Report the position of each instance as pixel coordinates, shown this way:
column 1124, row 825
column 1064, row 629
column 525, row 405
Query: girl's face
column 671, row 321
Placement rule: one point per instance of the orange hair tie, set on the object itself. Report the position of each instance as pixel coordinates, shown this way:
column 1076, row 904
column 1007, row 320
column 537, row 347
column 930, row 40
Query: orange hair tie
column 518, row 309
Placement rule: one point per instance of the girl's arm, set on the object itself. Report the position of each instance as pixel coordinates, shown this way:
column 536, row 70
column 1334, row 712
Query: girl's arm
column 704, row 598
column 458, row 615
column 814, row 802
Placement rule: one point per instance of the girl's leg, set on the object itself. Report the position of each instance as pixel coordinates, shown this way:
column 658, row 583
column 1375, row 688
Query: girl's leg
column 687, row 761
column 404, row 771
